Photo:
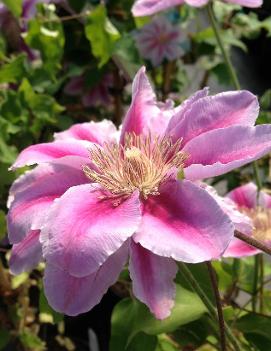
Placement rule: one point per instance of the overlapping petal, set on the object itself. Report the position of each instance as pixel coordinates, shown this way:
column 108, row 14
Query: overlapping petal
column 238, row 248
column 153, row 280
column 36, row 190
column 184, row 222
column 72, row 295
column 245, row 195
column 246, row 3
column 214, row 112
column 144, row 114
column 96, row 132
column 27, row 254
column 149, row 7
column 221, row 150
column 46, row 152
column 83, row 230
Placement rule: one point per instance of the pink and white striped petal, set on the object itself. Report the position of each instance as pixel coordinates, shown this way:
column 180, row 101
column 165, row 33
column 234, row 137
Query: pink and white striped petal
column 150, row 7
column 238, row 248
column 72, row 295
column 153, row 280
column 35, row 192
column 27, row 254
column 83, row 230
column 95, row 132
column 221, row 150
column 46, row 152
column 214, row 112
column 185, row 223
column 244, row 196
column 144, row 114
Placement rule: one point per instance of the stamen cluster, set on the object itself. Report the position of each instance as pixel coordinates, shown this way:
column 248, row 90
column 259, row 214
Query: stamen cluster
column 261, row 218
column 142, row 163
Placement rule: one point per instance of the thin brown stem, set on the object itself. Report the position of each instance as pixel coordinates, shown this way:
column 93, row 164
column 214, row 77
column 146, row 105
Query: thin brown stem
column 253, row 242
column 168, row 69
column 221, row 323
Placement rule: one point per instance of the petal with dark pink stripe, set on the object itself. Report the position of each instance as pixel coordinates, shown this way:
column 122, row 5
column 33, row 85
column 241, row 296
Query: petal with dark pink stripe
column 153, row 280
column 184, row 222
column 83, row 230
column 72, row 295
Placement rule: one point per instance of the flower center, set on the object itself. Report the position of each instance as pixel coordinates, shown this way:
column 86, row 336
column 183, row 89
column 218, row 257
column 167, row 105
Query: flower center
column 261, row 218
column 142, row 163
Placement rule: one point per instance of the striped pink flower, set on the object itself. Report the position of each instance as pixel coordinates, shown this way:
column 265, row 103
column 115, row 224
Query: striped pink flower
column 99, row 196
column 159, row 40
column 150, row 7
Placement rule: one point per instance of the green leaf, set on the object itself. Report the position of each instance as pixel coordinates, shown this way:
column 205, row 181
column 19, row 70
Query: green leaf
column 14, row 70
column 256, row 329
column 47, row 37
column 165, row 344
column 46, row 313
column 3, row 226
column 102, row 34
column 4, row 338
column 131, row 317
column 15, row 6
column 32, row 341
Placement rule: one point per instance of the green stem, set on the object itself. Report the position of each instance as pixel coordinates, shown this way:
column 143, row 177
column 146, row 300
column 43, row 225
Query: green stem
column 219, row 308
column 212, row 310
column 220, row 44
column 261, row 282
column 255, row 283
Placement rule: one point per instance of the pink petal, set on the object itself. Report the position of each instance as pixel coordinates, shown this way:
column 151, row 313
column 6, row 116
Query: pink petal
column 153, row 280
column 72, row 296
column 218, row 111
column 27, row 254
column 149, row 7
column 83, row 230
column 46, row 152
column 36, row 190
column 246, row 3
column 184, row 222
column 219, row 151
column 245, row 195
column 238, row 248
column 241, row 221
column 180, row 111
column 96, row 132
column 196, row 3
column 143, row 114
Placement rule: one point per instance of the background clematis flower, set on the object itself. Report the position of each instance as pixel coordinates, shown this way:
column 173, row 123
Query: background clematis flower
column 94, row 96
column 150, row 7
column 126, row 201
column 259, row 211
column 159, row 40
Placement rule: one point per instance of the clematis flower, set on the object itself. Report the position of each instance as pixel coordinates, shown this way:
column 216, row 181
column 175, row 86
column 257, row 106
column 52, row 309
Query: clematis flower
column 159, row 40
column 259, row 211
column 95, row 96
column 99, row 196
column 150, row 7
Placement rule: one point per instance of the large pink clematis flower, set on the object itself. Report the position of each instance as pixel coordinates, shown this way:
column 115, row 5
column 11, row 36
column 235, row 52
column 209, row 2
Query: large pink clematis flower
column 259, row 211
column 150, row 7
column 127, row 201
column 159, row 40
